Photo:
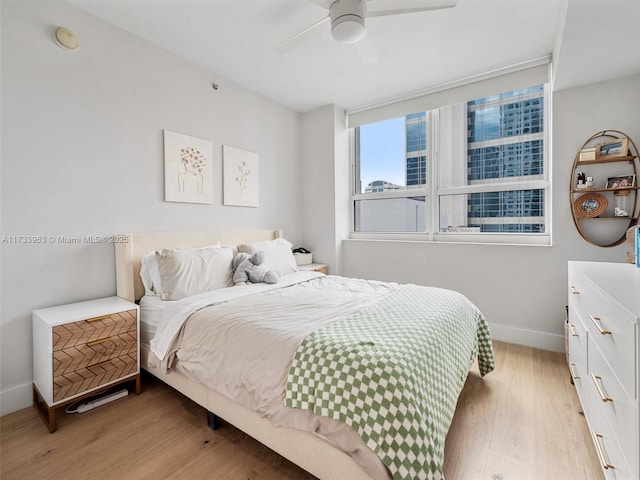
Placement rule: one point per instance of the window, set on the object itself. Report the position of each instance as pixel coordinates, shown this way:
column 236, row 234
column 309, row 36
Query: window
column 475, row 171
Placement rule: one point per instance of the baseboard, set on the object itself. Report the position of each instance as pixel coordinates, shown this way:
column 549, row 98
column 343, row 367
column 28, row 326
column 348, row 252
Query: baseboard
column 16, row 398
column 528, row 338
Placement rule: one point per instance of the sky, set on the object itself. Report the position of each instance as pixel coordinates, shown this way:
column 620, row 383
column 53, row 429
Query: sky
column 382, row 151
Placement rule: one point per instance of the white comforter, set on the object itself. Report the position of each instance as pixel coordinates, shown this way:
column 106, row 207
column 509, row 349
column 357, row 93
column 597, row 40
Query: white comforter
column 240, row 341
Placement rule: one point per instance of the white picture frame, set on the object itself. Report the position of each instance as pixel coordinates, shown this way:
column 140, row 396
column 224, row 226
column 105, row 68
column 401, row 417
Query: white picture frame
column 188, row 169
column 240, row 174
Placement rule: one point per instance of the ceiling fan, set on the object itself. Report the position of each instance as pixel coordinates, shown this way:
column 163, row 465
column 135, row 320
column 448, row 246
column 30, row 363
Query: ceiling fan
column 347, row 17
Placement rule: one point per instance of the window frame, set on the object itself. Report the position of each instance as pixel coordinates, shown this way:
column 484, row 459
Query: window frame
column 433, row 192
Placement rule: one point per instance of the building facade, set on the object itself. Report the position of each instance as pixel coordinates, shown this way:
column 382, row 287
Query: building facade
column 505, row 140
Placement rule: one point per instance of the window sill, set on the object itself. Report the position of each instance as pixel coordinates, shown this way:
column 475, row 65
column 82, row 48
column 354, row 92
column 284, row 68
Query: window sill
column 539, row 240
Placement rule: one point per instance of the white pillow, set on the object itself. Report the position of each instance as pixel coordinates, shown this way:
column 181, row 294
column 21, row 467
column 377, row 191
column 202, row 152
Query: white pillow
column 277, row 254
column 151, row 276
column 188, row 271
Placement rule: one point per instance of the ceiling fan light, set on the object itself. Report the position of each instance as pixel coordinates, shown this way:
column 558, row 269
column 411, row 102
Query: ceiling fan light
column 347, row 20
column 347, row 29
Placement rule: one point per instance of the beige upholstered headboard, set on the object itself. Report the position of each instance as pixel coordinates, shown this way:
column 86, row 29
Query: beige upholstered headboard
column 135, row 245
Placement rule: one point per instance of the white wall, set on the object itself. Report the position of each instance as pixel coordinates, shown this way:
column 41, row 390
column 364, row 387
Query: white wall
column 82, row 155
column 325, row 184
column 520, row 289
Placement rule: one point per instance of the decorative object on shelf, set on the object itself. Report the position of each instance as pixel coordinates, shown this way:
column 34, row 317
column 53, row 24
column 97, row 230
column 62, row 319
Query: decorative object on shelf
column 604, row 206
column 622, row 204
column 581, row 180
column 588, row 153
column 615, row 148
column 188, row 169
column 590, row 205
column 240, row 177
column 624, row 181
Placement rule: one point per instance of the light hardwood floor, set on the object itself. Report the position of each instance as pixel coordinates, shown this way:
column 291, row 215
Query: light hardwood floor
column 521, row 422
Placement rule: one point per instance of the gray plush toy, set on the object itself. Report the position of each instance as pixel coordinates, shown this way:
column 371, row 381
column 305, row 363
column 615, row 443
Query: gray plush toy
column 248, row 268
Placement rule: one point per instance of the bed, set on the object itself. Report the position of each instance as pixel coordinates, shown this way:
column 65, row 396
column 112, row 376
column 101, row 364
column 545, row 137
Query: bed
column 188, row 340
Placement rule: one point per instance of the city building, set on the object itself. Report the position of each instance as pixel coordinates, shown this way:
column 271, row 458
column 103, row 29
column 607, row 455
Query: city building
column 505, row 140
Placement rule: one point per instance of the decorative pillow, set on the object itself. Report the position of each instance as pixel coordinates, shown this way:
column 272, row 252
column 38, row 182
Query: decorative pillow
column 151, row 276
column 188, row 271
column 277, row 255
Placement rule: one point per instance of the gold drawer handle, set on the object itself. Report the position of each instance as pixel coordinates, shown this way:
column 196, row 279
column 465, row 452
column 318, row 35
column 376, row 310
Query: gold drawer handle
column 603, row 396
column 95, row 319
column 97, row 342
column 572, row 371
column 603, row 461
column 572, row 330
column 574, row 290
column 596, row 321
column 99, row 364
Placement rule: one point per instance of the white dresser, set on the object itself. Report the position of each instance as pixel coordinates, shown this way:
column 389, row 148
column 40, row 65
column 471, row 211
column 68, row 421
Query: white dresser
column 603, row 355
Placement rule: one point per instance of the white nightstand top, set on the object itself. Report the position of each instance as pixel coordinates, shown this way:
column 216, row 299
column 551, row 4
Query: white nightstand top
column 312, row 266
column 73, row 312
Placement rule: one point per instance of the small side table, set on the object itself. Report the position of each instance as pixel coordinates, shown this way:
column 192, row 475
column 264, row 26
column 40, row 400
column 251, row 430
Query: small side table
column 82, row 348
column 315, row 267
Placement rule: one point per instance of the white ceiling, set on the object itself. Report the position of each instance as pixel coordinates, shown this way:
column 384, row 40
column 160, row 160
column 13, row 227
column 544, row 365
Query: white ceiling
column 591, row 40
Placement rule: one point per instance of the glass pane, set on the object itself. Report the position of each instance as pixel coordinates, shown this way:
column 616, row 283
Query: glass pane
column 505, row 161
column 510, row 114
column 505, row 136
column 382, row 156
column 390, row 215
column 515, row 211
column 393, row 154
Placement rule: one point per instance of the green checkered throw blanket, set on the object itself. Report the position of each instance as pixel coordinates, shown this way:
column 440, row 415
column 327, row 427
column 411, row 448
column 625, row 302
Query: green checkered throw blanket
column 393, row 372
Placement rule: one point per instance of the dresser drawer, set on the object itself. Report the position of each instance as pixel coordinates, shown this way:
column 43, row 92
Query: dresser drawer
column 87, row 378
column 614, row 335
column 577, row 286
column 93, row 329
column 93, row 352
column 609, row 400
column 608, row 450
column 610, row 458
column 577, row 354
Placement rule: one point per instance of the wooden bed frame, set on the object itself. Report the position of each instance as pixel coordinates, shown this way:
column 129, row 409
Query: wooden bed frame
column 307, row 450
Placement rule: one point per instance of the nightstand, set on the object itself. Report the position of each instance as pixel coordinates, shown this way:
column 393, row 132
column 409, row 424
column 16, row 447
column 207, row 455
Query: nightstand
column 82, row 348
column 315, row 267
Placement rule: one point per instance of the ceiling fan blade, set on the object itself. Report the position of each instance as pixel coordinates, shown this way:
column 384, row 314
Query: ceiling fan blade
column 297, row 39
column 383, row 8
column 323, row 3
